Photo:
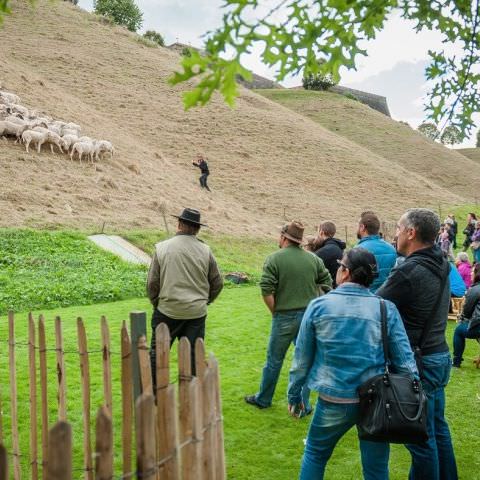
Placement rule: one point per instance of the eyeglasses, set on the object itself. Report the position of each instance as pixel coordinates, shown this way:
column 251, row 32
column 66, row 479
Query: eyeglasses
column 342, row 264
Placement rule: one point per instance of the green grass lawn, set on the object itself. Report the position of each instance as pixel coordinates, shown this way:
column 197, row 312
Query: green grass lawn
column 260, row 444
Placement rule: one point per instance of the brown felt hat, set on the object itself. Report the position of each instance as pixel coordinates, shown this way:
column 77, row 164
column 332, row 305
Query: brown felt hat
column 293, row 231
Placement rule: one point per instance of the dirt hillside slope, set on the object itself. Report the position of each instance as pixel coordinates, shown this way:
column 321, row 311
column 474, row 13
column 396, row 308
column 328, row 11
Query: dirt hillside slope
column 472, row 153
column 267, row 161
column 381, row 135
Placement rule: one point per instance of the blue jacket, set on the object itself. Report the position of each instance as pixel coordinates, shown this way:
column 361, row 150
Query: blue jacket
column 457, row 285
column 339, row 345
column 385, row 255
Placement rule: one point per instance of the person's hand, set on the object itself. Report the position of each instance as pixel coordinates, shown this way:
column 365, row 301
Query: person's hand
column 296, row 410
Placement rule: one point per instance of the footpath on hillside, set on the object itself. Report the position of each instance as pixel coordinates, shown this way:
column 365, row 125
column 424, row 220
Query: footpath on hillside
column 119, row 246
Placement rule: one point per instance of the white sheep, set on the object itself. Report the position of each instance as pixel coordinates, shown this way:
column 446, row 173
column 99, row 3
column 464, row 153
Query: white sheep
column 54, row 139
column 20, row 109
column 86, row 140
column 103, row 146
column 69, row 131
column 83, row 148
column 6, row 97
column 32, row 136
column 14, row 119
column 13, row 129
column 74, row 126
column 55, row 129
column 68, row 141
column 40, row 129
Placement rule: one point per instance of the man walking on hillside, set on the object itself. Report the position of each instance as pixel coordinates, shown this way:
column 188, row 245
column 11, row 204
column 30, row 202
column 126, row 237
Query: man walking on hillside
column 183, row 279
column 420, row 289
column 369, row 238
column 291, row 278
column 330, row 249
column 202, row 164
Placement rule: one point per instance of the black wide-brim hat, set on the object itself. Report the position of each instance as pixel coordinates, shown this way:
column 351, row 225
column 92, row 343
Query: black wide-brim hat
column 190, row 215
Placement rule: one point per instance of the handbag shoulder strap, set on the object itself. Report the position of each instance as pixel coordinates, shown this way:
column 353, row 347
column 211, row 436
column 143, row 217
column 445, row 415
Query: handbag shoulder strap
column 383, row 322
column 436, row 306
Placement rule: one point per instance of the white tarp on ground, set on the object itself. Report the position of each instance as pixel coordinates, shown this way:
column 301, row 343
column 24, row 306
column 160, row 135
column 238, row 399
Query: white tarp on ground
column 119, row 246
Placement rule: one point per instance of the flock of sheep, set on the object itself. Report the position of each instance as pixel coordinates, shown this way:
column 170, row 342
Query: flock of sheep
column 34, row 129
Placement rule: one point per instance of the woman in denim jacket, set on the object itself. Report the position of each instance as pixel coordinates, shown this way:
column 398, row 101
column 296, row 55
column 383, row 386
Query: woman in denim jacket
column 338, row 348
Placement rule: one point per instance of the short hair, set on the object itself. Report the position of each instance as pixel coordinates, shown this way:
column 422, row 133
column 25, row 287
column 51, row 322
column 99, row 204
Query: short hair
column 362, row 265
column 476, row 273
column 188, row 228
column 425, row 222
column 370, row 221
column 462, row 257
column 473, row 216
column 328, row 228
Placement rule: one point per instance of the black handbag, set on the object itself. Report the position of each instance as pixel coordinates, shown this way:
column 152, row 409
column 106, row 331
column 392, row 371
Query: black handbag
column 393, row 407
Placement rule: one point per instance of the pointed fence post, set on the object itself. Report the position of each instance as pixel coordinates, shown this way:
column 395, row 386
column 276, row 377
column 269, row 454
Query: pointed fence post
column 59, row 465
column 146, row 445
column 107, row 368
column 33, row 397
column 62, row 384
column 127, row 400
column 166, row 407
column 3, row 463
column 43, row 392
column 85, row 382
column 13, row 396
column 104, row 445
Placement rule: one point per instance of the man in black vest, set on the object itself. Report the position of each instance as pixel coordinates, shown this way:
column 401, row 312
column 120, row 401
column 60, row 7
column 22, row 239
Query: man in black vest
column 420, row 289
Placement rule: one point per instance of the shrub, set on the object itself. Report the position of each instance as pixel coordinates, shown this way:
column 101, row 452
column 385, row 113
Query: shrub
column 317, row 82
column 451, row 135
column 429, row 130
column 186, row 52
column 123, row 12
column 154, row 37
column 146, row 41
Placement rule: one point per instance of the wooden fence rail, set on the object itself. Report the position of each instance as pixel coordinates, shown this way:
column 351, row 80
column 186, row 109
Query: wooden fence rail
column 175, row 440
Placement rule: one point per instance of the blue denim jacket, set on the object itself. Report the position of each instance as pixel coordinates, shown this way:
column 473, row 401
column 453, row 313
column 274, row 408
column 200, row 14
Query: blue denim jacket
column 339, row 345
column 385, row 255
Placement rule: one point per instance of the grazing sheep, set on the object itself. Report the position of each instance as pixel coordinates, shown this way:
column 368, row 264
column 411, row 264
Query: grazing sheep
column 69, row 131
column 103, row 146
column 40, row 129
column 74, row 126
column 83, row 148
column 14, row 119
column 12, row 129
column 68, row 141
column 20, row 110
column 54, row 139
column 29, row 136
column 86, row 139
column 55, row 129
column 6, row 97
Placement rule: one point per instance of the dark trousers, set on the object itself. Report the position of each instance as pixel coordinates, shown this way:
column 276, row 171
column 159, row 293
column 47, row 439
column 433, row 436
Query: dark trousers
column 203, row 181
column 192, row 329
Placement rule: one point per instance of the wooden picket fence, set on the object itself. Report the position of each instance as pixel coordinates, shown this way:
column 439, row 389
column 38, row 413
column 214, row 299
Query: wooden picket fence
column 176, row 438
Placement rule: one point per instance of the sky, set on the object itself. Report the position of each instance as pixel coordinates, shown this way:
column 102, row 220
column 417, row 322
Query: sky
column 394, row 66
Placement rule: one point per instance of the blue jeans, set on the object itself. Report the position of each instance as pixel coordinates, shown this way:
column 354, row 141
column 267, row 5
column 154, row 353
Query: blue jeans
column 459, row 341
column 330, row 422
column 285, row 326
column 435, row 459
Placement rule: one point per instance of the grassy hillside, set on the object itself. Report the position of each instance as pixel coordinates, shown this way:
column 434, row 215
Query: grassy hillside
column 382, row 136
column 268, row 162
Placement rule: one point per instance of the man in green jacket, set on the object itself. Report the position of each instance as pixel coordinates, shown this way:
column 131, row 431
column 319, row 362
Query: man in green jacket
column 183, row 279
column 291, row 278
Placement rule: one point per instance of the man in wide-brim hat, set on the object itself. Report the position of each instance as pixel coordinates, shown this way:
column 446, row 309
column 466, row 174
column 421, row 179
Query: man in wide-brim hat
column 291, row 278
column 183, row 279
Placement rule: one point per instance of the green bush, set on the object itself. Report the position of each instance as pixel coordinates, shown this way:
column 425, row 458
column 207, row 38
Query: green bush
column 186, row 52
column 351, row 96
column 146, row 41
column 154, row 37
column 317, row 82
column 123, row 12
